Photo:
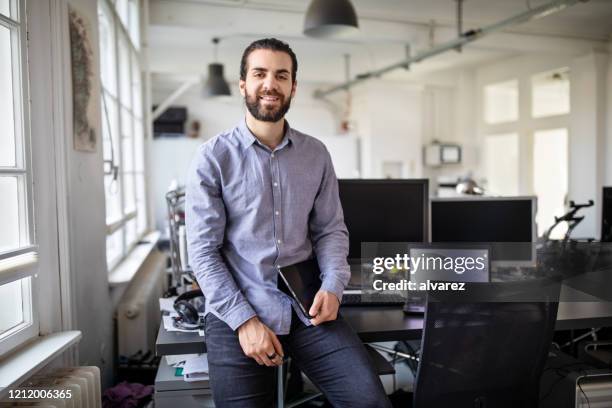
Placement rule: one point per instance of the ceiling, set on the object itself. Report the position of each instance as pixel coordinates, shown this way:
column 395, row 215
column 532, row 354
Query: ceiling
column 181, row 30
column 590, row 20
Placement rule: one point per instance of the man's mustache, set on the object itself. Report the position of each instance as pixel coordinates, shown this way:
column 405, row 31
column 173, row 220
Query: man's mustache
column 271, row 93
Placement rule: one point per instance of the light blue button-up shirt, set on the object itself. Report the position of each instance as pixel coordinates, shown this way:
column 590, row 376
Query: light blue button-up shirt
column 249, row 210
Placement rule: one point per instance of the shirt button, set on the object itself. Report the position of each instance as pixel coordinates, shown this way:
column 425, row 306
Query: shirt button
column 277, row 212
column 275, row 184
column 278, row 240
column 272, row 155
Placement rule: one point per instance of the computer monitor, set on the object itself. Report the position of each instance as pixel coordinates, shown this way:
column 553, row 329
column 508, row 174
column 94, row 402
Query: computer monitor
column 606, row 215
column 503, row 222
column 384, row 210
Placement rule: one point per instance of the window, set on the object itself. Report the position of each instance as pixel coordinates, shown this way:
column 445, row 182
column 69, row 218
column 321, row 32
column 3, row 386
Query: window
column 550, row 93
column 18, row 322
column 518, row 148
column 502, row 164
column 122, row 127
column 501, row 102
column 550, row 178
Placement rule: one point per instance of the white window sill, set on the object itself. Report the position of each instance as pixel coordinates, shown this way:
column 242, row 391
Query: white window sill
column 123, row 273
column 24, row 362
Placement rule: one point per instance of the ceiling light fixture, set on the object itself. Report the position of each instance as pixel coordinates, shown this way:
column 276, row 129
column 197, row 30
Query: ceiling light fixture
column 215, row 85
column 330, row 18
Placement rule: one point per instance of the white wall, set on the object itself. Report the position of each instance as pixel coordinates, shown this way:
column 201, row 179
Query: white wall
column 608, row 138
column 449, row 115
column 91, row 304
column 587, row 137
column 388, row 122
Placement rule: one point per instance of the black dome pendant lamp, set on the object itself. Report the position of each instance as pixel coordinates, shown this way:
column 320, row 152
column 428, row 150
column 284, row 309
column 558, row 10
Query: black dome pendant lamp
column 330, row 18
column 215, row 84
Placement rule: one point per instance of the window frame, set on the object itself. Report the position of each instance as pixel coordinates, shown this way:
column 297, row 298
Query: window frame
column 525, row 125
column 22, row 262
column 122, row 37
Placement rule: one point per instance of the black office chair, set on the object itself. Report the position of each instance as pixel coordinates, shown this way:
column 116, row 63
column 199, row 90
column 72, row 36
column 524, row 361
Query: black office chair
column 478, row 352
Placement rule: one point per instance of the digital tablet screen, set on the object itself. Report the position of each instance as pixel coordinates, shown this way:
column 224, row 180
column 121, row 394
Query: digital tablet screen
column 301, row 281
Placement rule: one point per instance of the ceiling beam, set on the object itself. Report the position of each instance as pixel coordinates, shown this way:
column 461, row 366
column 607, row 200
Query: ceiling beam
column 467, row 38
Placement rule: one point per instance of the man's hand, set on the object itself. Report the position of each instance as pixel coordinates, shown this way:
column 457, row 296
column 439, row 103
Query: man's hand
column 324, row 307
column 260, row 343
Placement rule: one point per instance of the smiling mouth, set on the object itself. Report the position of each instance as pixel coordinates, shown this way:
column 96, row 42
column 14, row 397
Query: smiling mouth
column 269, row 98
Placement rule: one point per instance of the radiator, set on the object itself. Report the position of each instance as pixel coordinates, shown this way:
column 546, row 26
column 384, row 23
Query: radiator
column 138, row 314
column 83, row 384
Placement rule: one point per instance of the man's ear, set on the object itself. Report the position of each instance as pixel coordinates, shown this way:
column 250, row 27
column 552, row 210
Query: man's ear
column 293, row 88
column 242, row 85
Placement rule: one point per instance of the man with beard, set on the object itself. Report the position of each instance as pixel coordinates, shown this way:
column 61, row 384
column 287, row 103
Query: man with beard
column 260, row 196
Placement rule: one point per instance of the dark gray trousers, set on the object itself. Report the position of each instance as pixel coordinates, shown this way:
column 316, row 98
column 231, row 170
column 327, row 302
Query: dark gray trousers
column 331, row 355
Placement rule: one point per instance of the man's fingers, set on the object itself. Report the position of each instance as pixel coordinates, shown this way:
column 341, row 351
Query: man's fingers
column 256, row 358
column 265, row 357
column 318, row 319
column 322, row 318
column 260, row 343
column 316, row 305
column 278, row 348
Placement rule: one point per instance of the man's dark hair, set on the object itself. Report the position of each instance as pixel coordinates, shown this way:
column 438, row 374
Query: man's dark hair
column 268, row 44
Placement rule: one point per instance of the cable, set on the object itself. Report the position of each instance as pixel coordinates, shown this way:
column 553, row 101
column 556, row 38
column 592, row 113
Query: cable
column 394, row 372
column 562, row 372
column 582, row 391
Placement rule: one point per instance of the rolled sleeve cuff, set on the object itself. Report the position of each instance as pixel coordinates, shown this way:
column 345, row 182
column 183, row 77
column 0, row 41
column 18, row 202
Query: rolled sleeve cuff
column 333, row 285
column 238, row 315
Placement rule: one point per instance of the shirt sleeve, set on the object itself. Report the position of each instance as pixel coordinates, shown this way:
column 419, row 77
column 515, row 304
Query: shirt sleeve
column 329, row 234
column 205, row 225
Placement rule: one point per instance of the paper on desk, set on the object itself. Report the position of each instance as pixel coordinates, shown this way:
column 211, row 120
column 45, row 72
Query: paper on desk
column 169, row 326
column 195, row 377
column 196, row 364
column 196, row 368
column 173, row 359
column 167, row 304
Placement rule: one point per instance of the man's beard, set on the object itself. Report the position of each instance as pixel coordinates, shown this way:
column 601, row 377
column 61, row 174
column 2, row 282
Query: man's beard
column 260, row 112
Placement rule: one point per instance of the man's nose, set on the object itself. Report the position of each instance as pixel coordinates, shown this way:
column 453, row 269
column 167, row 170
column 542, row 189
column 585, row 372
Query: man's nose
column 269, row 83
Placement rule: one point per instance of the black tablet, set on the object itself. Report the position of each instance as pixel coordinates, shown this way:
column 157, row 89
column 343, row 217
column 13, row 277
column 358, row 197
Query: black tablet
column 301, row 281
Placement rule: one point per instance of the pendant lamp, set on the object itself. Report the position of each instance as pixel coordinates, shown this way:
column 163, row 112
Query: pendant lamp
column 215, row 84
column 330, row 18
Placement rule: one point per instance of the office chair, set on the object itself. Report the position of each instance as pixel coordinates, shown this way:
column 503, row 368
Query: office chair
column 484, row 349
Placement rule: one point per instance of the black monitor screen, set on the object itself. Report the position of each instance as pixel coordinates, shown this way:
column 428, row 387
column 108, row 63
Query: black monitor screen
column 384, row 211
column 486, row 220
column 606, row 216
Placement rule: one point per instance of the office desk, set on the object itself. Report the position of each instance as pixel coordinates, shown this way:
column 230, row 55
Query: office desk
column 171, row 391
column 171, row 343
column 374, row 324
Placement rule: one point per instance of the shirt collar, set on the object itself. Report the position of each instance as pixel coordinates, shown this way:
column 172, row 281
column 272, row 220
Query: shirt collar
column 247, row 138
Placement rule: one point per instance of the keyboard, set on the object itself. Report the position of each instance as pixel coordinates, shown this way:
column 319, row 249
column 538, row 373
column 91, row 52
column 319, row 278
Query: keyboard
column 355, row 299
